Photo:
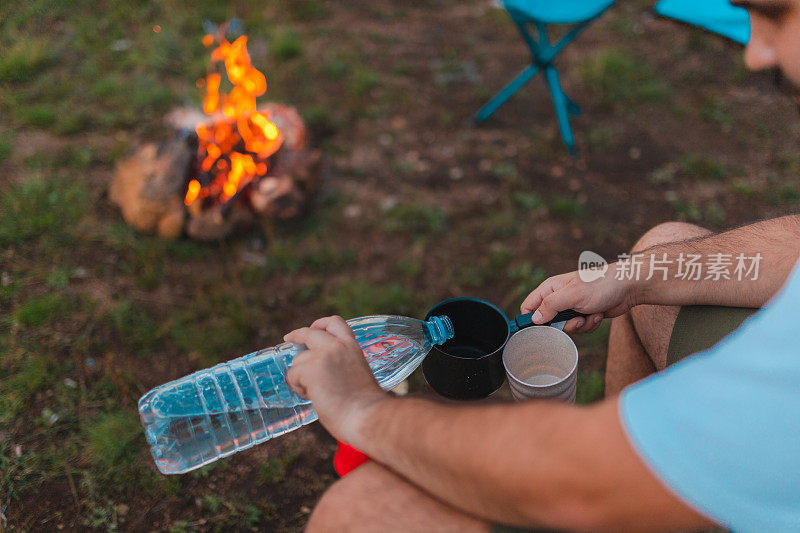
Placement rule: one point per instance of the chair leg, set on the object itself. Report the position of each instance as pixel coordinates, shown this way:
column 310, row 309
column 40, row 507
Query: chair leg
column 500, row 98
column 561, row 104
column 572, row 107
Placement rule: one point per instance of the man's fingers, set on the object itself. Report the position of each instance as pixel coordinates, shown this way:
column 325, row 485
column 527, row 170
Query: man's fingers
column 534, row 299
column 592, row 322
column 294, row 377
column 313, row 338
column 336, row 326
column 574, row 325
column 553, row 303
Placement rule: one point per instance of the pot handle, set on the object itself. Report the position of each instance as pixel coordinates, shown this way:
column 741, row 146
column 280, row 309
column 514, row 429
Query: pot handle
column 524, row 321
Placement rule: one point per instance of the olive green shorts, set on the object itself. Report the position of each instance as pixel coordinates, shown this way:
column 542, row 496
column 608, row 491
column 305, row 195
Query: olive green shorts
column 697, row 328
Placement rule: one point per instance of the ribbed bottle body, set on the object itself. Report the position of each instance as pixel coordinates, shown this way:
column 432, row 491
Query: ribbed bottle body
column 216, row 412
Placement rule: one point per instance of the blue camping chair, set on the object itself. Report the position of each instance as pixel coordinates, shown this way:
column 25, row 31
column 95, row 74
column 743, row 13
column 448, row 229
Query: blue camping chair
column 718, row 16
column 540, row 13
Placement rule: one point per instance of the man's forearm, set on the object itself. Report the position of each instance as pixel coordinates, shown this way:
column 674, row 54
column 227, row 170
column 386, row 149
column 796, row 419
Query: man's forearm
column 775, row 241
column 532, row 464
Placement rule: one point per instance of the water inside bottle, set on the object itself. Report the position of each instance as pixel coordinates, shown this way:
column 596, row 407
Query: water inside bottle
column 216, row 412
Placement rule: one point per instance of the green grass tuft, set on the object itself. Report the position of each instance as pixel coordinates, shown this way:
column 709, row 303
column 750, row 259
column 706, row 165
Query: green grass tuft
column 305, row 10
column 620, row 78
column 527, row 201
column 286, row 44
column 5, row 150
column 113, row 441
column 703, row 167
column 40, row 116
column 24, row 59
column 591, row 387
column 414, row 219
column 18, row 383
column 362, row 82
column 566, row 207
column 359, row 298
column 39, row 207
column 132, row 323
column 38, row 311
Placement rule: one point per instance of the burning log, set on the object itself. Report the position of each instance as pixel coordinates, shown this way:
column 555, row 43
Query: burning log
column 227, row 169
column 148, row 187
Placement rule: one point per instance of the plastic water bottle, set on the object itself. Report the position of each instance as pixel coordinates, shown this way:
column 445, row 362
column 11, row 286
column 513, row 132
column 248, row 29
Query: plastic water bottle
column 216, row 412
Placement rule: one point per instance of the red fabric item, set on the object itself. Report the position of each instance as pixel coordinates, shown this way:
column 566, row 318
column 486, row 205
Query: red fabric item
column 346, row 459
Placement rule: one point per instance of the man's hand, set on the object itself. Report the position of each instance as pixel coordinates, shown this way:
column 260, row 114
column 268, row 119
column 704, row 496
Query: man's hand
column 605, row 297
column 335, row 376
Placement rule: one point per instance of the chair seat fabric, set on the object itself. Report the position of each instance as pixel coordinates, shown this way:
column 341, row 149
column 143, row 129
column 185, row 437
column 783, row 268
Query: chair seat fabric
column 556, row 11
column 718, row 16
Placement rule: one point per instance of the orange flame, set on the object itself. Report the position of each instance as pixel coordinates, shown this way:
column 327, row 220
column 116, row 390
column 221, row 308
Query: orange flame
column 234, row 147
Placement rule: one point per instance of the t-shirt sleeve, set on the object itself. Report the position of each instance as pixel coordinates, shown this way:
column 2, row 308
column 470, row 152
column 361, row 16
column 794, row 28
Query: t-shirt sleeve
column 721, row 429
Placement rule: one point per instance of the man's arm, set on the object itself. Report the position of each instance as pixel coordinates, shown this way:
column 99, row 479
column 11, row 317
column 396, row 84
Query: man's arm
column 531, row 464
column 776, row 241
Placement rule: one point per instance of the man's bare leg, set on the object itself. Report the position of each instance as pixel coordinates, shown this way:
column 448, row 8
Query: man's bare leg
column 372, row 498
column 628, row 362
column 639, row 339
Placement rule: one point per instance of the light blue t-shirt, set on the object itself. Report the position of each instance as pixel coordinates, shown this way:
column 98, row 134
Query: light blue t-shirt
column 722, row 428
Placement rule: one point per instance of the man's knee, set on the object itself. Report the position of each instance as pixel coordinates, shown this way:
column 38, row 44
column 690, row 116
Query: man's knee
column 668, row 232
column 653, row 323
column 372, row 498
column 329, row 514
column 345, row 501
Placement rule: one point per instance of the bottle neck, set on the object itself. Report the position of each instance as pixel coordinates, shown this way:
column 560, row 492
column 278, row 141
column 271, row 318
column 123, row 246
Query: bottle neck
column 439, row 329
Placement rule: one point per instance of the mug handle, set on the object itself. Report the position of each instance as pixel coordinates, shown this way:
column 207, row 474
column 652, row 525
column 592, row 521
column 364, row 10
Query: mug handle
column 524, row 321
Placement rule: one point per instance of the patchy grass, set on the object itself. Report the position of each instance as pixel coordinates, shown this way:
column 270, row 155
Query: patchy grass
column 307, row 10
column 782, row 194
column 566, row 207
column 216, row 327
column 527, row 201
column 41, row 116
column 590, row 388
column 414, row 219
column 687, row 210
column 703, row 167
column 359, row 298
column 24, row 58
column 134, row 324
column 716, row 109
column 21, row 380
column 5, row 150
column 743, row 188
column 506, row 171
column 286, row 44
column 113, row 441
column 40, row 207
column 620, row 78
column 362, row 82
column 275, row 469
column 39, row 311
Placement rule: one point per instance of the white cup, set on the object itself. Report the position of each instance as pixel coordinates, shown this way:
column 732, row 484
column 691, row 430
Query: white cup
column 541, row 362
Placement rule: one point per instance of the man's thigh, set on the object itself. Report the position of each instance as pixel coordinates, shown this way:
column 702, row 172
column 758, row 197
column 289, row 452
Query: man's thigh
column 654, row 323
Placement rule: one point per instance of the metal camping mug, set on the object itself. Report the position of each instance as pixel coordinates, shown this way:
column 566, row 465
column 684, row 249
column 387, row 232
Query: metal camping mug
column 541, row 363
column 470, row 365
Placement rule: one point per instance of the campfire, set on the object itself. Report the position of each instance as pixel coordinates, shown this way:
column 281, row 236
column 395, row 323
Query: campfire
column 229, row 167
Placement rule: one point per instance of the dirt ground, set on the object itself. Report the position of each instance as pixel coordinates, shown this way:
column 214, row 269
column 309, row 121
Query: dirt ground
column 417, row 205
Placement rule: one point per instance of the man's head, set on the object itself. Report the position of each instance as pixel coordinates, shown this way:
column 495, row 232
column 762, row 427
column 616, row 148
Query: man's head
column 774, row 36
